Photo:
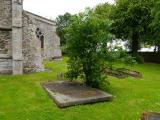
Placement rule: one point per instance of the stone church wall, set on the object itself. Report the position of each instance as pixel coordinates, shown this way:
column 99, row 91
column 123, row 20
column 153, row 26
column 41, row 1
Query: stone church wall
column 5, row 52
column 5, row 13
column 35, row 27
column 5, row 65
column 49, row 41
column 25, row 39
column 5, row 36
column 5, row 43
column 47, row 27
column 32, row 60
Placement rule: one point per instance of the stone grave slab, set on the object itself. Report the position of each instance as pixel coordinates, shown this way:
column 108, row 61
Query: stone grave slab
column 66, row 93
column 151, row 116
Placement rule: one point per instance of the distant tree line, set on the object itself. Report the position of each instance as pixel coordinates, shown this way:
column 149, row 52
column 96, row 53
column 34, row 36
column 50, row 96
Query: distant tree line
column 137, row 21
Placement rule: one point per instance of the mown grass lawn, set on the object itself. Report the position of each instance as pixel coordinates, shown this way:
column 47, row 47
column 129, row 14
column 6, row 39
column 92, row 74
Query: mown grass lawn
column 23, row 98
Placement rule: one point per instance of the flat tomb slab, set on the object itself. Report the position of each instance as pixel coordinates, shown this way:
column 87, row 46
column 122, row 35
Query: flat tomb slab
column 66, row 93
column 151, row 116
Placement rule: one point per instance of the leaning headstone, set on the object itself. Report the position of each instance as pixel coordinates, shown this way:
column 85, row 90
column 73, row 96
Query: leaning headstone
column 66, row 93
column 151, row 116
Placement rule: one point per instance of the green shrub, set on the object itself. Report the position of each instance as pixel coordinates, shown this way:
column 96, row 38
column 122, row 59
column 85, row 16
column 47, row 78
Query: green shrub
column 138, row 58
column 88, row 48
column 87, row 39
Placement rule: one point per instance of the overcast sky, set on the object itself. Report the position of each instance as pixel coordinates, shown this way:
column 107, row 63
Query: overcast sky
column 52, row 8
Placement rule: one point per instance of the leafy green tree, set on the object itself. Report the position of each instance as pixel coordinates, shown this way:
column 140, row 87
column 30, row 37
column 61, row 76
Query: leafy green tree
column 103, row 10
column 155, row 25
column 88, row 48
column 63, row 21
column 131, row 21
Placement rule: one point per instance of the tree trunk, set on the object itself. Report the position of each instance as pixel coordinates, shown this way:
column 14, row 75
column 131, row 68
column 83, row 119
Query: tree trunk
column 158, row 46
column 86, row 72
column 155, row 48
column 135, row 43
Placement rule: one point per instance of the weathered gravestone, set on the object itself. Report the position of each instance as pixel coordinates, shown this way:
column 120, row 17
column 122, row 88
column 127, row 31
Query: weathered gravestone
column 151, row 116
column 66, row 93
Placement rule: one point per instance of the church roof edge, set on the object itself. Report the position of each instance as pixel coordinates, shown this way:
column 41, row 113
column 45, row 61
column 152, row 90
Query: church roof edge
column 42, row 18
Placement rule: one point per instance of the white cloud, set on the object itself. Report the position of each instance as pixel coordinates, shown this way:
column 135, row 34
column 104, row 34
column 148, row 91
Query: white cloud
column 53, row 8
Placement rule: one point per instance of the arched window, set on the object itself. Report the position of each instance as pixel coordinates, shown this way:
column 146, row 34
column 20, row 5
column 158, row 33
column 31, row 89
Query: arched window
column 42, row 41
column 40, row 36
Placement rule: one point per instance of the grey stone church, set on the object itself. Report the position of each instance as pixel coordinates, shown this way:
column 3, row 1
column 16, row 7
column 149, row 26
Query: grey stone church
column 26, row 39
